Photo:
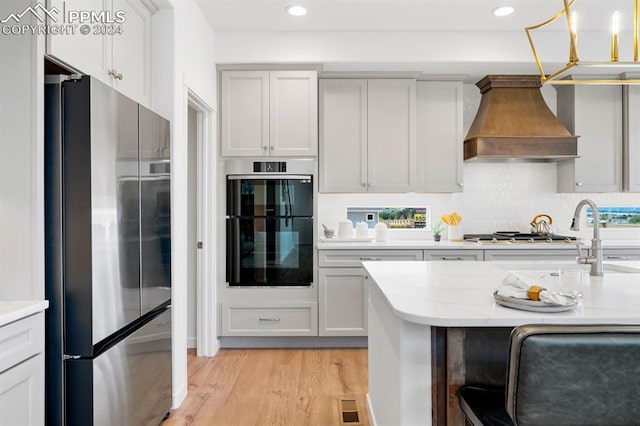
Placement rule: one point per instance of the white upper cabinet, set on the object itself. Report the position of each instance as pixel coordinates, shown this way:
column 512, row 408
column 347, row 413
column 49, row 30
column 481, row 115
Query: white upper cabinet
column 367, row 135
column 391, row 147
column 439, row 136
column 267, row 113
column 631, row 106
column 116, row 53
column 594, row 113
column 343, row 135
column 390, row 135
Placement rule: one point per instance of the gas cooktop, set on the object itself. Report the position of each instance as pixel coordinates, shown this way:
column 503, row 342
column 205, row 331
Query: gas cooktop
column 517, row 237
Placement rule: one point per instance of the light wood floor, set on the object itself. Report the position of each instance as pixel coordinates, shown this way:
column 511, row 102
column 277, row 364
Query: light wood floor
column 274, row 387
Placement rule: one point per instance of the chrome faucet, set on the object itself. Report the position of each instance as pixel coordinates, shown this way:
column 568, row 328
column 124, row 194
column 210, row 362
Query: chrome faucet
column 595, row 260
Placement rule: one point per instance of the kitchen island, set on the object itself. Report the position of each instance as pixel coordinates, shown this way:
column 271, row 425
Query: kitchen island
column 434, row 326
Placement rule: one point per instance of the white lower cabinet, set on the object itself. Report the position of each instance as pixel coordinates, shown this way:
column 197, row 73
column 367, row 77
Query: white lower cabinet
column 270, row 319
column 22, row 371
column 343, row 288
column 343, row 302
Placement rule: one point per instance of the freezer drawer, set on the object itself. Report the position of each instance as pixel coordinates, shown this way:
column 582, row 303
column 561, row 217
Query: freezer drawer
column 129, row 384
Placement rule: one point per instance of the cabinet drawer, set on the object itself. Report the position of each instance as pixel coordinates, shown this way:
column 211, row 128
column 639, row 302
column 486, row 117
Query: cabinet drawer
column 354, row 258
column 621, row 254
column 20, row 340
column 453, row 255
column 273, row 319
column 531, row 254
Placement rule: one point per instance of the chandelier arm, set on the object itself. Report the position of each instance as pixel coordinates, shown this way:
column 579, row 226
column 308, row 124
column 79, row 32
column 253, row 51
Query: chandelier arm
column 555, row 17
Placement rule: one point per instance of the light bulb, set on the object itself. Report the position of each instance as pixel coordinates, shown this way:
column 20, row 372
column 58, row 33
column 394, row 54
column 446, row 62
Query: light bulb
column 296, row 10
column 574, row 23
column 615, row 22
column 503, row 11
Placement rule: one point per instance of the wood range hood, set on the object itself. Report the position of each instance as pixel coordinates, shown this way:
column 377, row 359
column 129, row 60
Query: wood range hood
column 514, row 122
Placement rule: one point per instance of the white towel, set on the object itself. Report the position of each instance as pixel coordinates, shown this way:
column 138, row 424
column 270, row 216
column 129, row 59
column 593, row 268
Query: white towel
column 517, row 286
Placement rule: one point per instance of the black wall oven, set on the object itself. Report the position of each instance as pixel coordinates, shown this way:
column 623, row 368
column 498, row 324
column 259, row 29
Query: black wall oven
column 270, row 223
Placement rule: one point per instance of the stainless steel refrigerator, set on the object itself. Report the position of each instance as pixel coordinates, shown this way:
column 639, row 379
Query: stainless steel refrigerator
column 108, row 257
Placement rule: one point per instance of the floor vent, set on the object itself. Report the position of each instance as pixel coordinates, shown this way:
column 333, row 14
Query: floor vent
column 349, row 414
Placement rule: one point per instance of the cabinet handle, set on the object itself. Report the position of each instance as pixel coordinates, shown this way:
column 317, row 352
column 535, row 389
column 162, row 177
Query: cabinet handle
column 618, row 257
column 269, row 319
column 115, row 74
column 364, row 185
column 451, row 258
column 578, row 183
column 271, row 148
column 264, row 148
column 460, row 184
column 369, row 185
column 370, row 258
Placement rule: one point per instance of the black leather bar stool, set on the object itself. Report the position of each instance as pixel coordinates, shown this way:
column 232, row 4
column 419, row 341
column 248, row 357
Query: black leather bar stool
column 560, row 375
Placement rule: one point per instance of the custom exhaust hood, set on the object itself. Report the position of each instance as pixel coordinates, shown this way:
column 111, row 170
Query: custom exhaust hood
column 514, row 122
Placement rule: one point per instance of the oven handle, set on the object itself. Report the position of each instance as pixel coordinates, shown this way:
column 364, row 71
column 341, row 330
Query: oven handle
column 269, row 177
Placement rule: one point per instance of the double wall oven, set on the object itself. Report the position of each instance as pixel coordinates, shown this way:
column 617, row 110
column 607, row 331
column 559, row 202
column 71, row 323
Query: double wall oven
column 270, row 223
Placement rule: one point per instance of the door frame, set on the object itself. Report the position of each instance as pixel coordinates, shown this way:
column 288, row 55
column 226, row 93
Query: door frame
column 206, row 326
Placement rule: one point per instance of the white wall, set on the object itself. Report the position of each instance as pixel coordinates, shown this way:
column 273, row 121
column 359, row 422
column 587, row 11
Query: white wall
column 183, row 62
column 498, row 196
column 21, row 163
column 474, row 54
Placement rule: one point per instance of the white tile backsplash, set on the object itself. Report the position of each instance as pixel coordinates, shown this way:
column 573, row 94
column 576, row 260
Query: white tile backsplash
column 501, row 196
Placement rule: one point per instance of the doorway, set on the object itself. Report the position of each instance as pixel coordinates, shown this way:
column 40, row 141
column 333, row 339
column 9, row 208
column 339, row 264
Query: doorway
column 201, row 164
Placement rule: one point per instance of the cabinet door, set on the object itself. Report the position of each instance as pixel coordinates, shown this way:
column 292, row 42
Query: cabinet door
column 22, row 393
column 245, row 113
column 342, row 302
column 439, row 136
column 595, row 114
column 132, row 51
column 391, row 148
column 343, row 135
column 90, row 54
column 632, row 138
column 293, row 128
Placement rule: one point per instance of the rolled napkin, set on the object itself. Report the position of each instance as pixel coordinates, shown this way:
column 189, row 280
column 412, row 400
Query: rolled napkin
column 519, row 287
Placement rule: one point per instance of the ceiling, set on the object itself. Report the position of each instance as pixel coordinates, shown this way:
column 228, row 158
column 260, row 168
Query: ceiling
column 400, row 15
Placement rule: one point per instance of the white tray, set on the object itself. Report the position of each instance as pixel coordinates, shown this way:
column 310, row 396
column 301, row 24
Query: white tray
column 347, row 240
column 531, row 305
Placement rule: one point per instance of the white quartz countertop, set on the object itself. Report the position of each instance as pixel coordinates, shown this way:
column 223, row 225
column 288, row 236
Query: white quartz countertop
column 14, row 310
column 457, row 245
column 439, row 294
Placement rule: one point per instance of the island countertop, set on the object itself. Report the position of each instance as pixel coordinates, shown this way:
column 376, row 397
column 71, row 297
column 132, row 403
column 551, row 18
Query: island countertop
column 441, row 294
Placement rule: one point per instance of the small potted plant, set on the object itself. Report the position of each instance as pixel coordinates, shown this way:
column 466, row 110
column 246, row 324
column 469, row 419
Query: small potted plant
column 437, row 231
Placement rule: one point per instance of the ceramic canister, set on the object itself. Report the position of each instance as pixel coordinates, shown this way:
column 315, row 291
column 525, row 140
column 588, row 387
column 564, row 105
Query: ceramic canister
column 362, row 230
column 381, row 232
column 345, row 229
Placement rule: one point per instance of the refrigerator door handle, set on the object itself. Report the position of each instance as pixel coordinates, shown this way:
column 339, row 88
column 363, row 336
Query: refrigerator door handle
column 66, row 357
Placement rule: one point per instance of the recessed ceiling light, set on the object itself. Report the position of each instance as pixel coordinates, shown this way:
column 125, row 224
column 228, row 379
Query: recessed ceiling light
column 503, row 11
column 296, row 10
